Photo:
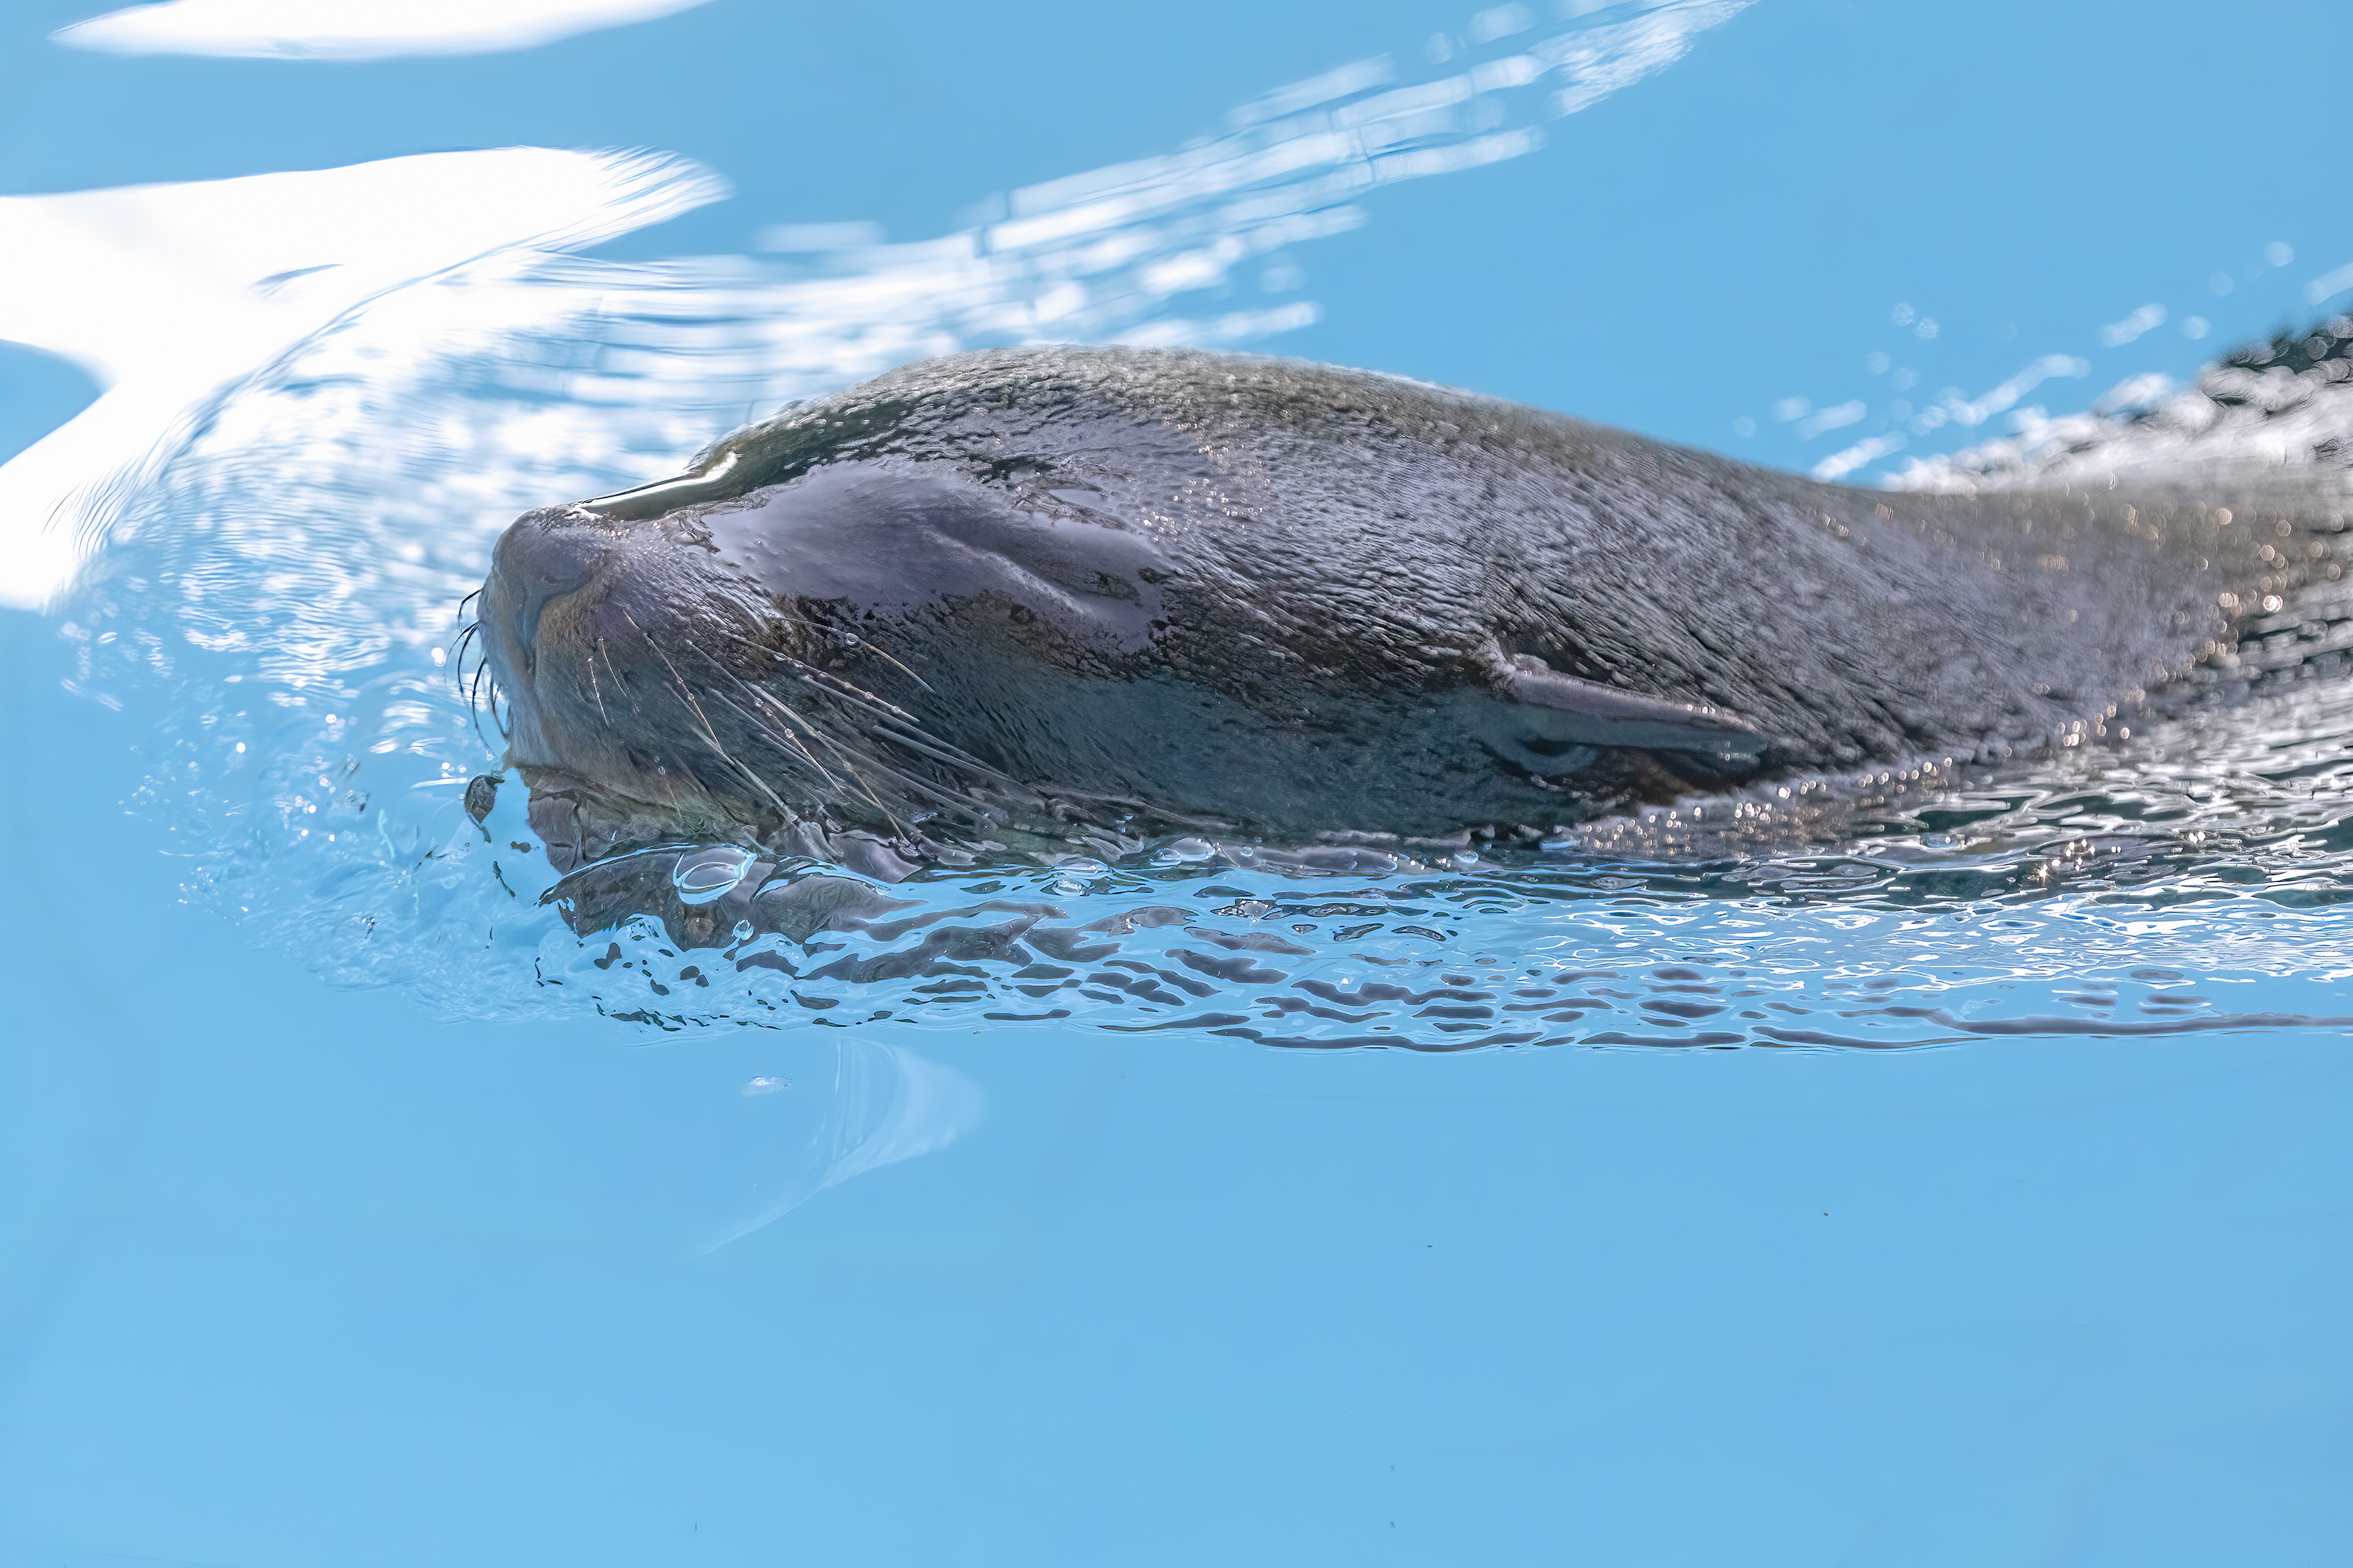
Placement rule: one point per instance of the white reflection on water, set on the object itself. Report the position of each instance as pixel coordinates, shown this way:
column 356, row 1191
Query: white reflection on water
column 2276, row 409
column 885, row 1104
column 167, row 295
column 171, row 294
column 352, row 29
column 2043, row 446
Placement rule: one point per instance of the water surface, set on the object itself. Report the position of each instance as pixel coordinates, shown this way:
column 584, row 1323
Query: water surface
column 1933, row 1166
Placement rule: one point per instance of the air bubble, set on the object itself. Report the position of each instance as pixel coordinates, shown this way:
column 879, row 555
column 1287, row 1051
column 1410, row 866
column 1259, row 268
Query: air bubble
column 704, row 876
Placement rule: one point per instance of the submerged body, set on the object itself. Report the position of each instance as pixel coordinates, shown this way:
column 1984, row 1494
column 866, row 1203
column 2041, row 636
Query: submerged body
column 1094, row 594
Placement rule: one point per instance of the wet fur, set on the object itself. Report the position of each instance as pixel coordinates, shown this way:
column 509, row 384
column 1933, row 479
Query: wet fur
column 1066, row 595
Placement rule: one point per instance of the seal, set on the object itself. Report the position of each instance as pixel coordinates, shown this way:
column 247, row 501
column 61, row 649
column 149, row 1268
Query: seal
column 1076, row 597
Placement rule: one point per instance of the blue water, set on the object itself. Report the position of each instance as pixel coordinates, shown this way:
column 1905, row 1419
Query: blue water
column 356, row 1212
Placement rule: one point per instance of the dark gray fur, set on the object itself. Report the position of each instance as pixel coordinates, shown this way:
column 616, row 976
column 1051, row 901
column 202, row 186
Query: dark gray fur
column 1102, row 592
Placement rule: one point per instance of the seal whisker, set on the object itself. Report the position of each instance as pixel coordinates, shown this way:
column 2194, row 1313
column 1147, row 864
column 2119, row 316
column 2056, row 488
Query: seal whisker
column 758, row 783
column 893, row 721
column 833, row 686
column 473, row 640
column 482, row 672
column 893, row 718
column 595, row 687
column 910, row 785
column 886, row 655
column 685, row 693
column 941, row 752
column 791, row 735
column 857, row 763
column 710, row 736
column 621, row 681
column 873, row 648
column 785, row 740
column 852, row 764
column 827, row 680
column 467, row 635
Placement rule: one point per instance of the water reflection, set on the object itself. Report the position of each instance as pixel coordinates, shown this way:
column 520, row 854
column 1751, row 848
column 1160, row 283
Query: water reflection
column 882, row 1103
column 351, row 30
column 1906, row 938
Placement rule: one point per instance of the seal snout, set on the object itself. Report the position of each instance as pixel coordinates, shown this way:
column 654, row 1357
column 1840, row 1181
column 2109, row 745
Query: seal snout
column 541, row 563
column 542, row 557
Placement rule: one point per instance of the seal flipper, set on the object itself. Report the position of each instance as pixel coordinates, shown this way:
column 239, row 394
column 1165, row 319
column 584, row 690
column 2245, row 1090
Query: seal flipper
column 1554, row 722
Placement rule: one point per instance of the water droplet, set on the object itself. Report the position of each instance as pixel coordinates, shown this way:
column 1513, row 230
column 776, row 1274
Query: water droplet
column 1069, row 875
column 703, row 876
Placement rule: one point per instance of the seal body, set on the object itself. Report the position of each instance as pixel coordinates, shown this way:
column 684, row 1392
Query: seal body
column 1100, row 594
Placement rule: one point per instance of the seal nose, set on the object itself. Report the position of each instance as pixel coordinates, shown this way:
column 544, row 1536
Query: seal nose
column 541, row 557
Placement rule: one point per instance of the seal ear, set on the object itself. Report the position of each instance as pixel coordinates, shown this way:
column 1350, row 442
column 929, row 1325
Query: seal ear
column 1553, row 721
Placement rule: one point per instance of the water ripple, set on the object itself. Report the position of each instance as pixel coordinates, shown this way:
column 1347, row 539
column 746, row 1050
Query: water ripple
column 280, row 586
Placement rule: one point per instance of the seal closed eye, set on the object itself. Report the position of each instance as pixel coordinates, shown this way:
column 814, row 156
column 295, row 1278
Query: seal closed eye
column 876, row 537
column 1076, row 593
